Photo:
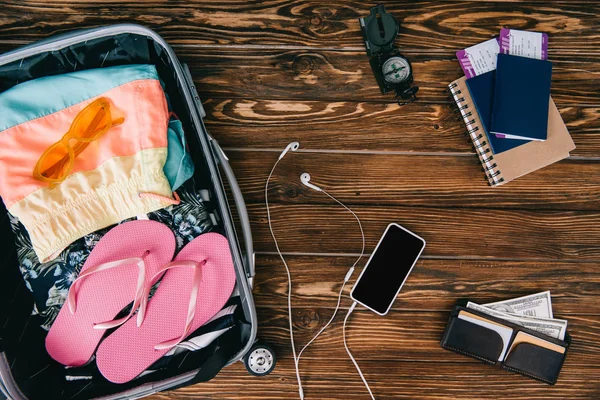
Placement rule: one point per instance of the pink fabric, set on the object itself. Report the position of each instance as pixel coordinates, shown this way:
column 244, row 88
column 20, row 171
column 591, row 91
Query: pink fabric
column 143, row 105
column 130, row 350
column 72, row 339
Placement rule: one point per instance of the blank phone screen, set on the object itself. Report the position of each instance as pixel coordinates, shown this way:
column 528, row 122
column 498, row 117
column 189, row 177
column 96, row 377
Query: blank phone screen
column 387, row 269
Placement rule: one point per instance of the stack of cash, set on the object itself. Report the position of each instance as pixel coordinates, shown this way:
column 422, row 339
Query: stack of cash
column 533, row 312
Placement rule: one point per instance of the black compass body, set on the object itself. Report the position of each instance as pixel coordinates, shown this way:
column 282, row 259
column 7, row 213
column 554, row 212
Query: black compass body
column 392, row 70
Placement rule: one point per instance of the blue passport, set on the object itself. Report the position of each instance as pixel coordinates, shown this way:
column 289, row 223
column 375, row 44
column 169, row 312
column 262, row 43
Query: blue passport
column 481, row 88
column 521, row 98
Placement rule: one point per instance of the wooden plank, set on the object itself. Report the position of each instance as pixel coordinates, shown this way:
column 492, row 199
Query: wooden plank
column 427, row 25
column 373, row 126
column 401, row 335
column 337, row 379
column 377, row 124
column 416, row 180
column 433, row 284
column 310, row 74
column 451, row 233
column 364, row 125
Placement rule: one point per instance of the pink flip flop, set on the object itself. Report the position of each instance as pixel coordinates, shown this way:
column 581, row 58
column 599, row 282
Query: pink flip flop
column 116, row 273
column 195, row 286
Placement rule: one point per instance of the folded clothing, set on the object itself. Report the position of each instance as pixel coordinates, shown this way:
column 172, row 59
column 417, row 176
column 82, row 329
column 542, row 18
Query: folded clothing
column 50, row 281
column 179, row 166
column 108, row 177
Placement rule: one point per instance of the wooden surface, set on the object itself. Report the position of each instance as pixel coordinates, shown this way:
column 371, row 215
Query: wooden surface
column 270, row 72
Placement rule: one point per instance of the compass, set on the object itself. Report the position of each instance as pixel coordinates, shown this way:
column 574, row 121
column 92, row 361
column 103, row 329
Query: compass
column 392, row 70
column 396, row 69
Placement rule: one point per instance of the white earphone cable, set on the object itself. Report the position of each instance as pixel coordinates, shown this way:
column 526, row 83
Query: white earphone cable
column 346, row 278
column 289, row 276
column 353, row 304
column 350, row 354
column 289, row 298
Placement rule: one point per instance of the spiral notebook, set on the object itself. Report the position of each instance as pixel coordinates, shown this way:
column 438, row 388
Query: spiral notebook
column 503, row 167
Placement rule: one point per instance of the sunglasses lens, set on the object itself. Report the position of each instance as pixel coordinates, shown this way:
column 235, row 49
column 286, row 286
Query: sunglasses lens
column 93, row 122
column 55, row 163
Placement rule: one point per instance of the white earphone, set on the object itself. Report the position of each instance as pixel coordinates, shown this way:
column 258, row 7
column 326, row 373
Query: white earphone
column 305, row 179
column 293, row 147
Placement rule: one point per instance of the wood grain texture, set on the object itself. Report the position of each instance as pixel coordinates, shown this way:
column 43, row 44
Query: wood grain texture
column 334, row 75
column 346, row 75
column 451, row 232
column 369, row 120
column 433, row 285
column 370, row 126
column 399, row 336
column 336, row 379
column 274, row 71
column 398, row 353
column 426, row 25
column 413, row 180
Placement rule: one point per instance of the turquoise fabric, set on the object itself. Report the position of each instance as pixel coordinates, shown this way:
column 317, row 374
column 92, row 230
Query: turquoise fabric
column 44, row 96
column 179, row 166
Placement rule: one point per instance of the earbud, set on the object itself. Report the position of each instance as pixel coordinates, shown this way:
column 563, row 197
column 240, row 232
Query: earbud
column 292, row 146
column 305, row 179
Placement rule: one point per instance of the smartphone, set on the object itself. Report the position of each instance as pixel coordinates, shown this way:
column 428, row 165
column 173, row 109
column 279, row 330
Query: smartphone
column 387, row 269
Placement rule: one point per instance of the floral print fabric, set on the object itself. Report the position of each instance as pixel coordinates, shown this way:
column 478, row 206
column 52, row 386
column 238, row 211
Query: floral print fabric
column 50, row 282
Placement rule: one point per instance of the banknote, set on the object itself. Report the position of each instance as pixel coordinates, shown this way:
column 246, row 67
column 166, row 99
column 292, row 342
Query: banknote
column 552, row 327
column 533, row 305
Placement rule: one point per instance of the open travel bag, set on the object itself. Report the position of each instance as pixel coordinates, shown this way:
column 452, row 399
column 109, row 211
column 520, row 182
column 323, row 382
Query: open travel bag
column 26, row 369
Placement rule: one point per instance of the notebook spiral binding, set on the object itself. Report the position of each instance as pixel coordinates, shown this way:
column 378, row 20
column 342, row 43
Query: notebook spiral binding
column 480, row 144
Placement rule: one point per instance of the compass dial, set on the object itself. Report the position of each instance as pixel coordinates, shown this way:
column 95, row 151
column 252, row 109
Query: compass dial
column 396, row 69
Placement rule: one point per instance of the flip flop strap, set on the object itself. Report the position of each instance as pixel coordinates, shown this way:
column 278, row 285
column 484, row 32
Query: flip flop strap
column 72, row 296
column 191, row 312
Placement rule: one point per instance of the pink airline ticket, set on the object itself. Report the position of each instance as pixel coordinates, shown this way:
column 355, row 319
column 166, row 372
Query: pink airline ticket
column 524, row 43
column 479, row 59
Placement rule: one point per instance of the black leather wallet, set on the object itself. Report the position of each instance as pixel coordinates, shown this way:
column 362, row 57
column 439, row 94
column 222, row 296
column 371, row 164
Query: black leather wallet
column 489, row 339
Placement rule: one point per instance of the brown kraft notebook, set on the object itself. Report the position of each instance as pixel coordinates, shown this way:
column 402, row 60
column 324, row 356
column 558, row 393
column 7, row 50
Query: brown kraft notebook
column 504, row 167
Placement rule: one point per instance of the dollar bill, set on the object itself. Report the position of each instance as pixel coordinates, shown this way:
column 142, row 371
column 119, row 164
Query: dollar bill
column 552, row 327
column 533, row 305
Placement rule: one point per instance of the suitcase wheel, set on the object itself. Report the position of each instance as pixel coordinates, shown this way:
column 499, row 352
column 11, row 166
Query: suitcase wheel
column 260, row 360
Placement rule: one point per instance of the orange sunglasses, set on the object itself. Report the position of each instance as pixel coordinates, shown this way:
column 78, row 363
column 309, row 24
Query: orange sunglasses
column 90, row 124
